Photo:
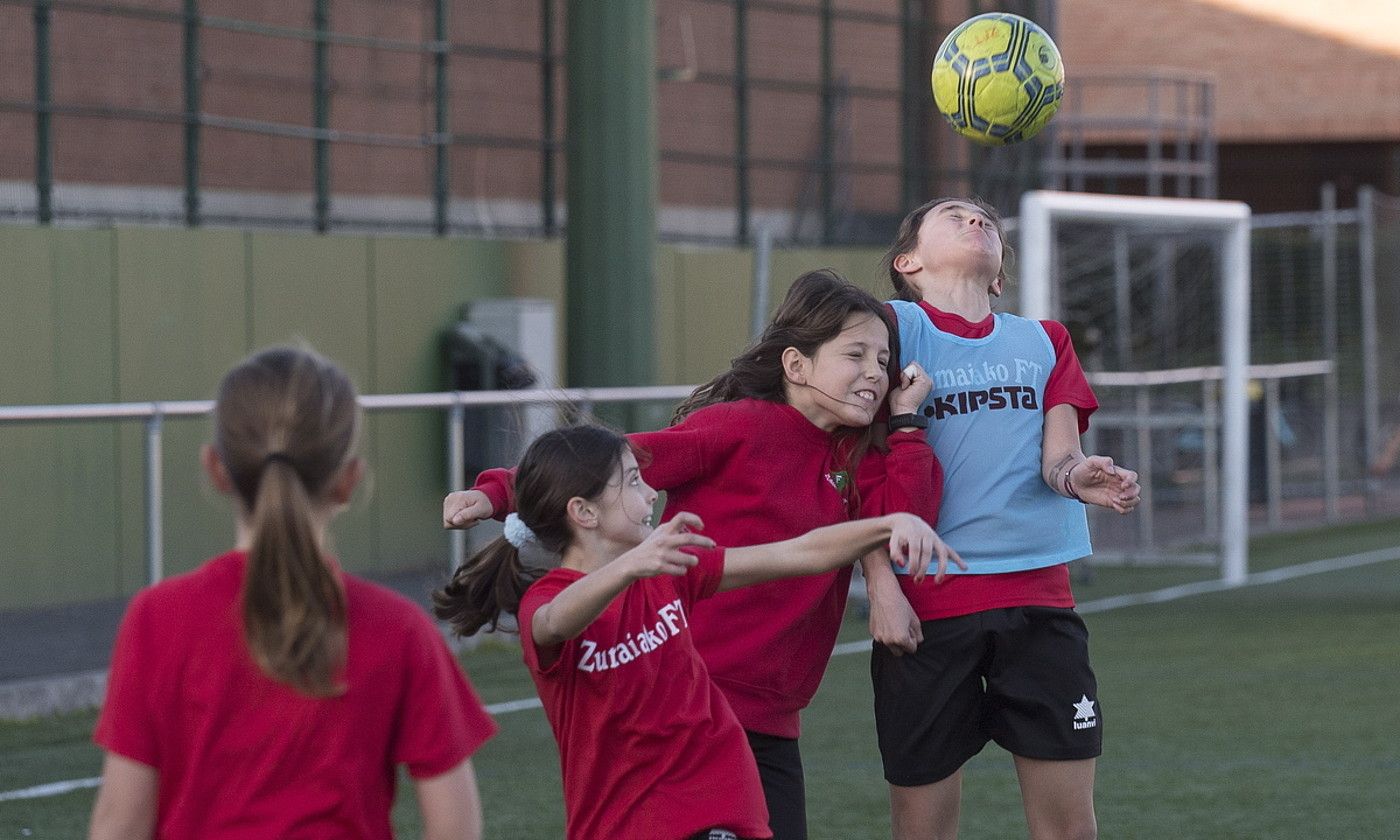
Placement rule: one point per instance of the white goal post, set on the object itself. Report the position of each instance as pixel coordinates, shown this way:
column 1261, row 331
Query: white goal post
column 1035, row 226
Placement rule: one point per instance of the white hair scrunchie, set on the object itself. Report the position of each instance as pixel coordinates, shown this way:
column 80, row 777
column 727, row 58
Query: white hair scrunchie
column 517, row 533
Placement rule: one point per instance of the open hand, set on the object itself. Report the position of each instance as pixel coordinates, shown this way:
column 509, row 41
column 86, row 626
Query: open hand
column 661, row 552
column 913, row 545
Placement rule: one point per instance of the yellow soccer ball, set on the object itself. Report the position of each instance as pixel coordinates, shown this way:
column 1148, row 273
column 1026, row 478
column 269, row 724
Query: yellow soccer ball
column 998, row 78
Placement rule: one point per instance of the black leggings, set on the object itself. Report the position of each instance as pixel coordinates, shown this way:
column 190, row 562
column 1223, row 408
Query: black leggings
column 780, row 769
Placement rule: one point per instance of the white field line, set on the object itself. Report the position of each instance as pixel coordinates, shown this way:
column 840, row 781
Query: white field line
column 1157, row 596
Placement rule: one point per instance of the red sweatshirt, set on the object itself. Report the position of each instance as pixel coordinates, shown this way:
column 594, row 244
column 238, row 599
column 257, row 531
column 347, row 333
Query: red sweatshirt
column 758, row 472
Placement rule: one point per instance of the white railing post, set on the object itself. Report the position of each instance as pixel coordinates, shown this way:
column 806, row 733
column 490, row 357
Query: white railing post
column 456, row 466
column 155, row 543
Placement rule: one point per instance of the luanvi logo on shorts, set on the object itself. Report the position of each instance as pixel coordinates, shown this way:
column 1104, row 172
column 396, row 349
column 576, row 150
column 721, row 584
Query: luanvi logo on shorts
column 1084, row 716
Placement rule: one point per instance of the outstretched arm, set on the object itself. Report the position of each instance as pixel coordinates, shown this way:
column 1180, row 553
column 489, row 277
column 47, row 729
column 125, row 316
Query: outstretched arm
column 584, row 600
column 1091, row 479
column 674, row 455
column 910, row 541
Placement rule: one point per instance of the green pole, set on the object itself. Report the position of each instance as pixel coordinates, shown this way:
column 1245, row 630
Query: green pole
column 192, row 113
column 611, row 157
column 321, row 116
column 441, row 135
column 43, row 116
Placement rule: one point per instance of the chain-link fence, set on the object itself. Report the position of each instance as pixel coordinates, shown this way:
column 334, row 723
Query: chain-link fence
column 1324, row 418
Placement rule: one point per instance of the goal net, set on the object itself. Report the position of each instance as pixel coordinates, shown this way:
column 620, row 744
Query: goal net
column 1155, row 292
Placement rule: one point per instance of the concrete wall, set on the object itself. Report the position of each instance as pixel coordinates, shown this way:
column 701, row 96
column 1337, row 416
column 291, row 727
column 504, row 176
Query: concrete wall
column 134, row 314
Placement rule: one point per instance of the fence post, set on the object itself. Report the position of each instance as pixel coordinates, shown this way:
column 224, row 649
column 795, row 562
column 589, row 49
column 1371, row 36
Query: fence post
column 547, row 65
column 1210, row 456
column 828, row 129
column 1331, row 399
column 1273, row 458
column 43, row 115
column 456, row 465
column 192, row 112
column 741, row 117
column 441, row 135
column 1143, row 454
column 155, row 543
column 762, row 259
column 914, row 85
column 320, row 108
column 1122, row 298
column 1370, row 341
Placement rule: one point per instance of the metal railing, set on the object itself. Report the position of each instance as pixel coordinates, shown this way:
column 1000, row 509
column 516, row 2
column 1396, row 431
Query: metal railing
column 455, row 403
column 1142, row 420
column 1137, row 425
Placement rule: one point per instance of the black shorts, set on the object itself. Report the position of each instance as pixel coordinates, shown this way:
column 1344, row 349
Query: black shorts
column 1018, row 676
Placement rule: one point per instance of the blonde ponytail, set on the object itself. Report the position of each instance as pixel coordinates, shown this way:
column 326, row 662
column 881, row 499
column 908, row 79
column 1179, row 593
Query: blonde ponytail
column 286, row 425
column 293, row 604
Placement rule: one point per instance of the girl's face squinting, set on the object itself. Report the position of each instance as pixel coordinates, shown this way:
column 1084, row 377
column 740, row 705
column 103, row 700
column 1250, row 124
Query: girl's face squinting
column 959, row 236
column 846, row 378
column 626, row 504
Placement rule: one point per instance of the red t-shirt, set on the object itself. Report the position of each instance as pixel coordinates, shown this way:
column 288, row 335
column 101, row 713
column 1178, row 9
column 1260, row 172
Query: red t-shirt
column 758, row 472
column 648, row 745
column 240, row 755
column 1045, row 587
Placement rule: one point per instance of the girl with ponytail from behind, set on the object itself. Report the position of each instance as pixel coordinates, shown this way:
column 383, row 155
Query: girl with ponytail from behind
column 269, row 693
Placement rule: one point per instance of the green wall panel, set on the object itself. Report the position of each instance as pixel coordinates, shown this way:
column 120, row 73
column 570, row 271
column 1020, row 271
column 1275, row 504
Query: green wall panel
column 715, row 293
column 317, row 289
column 57, row 498
column 419, row 286
column 670, row 317
column 136, row 314
column 182, row 314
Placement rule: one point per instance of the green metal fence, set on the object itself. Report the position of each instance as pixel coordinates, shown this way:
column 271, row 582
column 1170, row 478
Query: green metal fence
column 459, row 48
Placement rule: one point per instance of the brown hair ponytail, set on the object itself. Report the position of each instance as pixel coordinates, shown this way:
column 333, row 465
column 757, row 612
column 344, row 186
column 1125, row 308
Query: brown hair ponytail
column 490, row 584
column 559, row 465
column 286, row 424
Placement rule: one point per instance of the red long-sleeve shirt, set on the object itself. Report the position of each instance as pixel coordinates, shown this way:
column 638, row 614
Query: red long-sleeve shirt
column 758, row 472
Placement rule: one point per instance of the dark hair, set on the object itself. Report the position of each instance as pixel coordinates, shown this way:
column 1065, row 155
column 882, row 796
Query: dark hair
column 285, row 423
column 559, row 465
column 906, row 239
column 814, row 312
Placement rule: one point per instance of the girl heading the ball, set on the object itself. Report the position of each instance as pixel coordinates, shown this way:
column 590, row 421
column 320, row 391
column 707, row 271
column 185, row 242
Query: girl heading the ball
column 1004, row 655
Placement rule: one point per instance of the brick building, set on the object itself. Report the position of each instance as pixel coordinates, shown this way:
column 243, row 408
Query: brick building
column 1305, row 91
column 1300, row 89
